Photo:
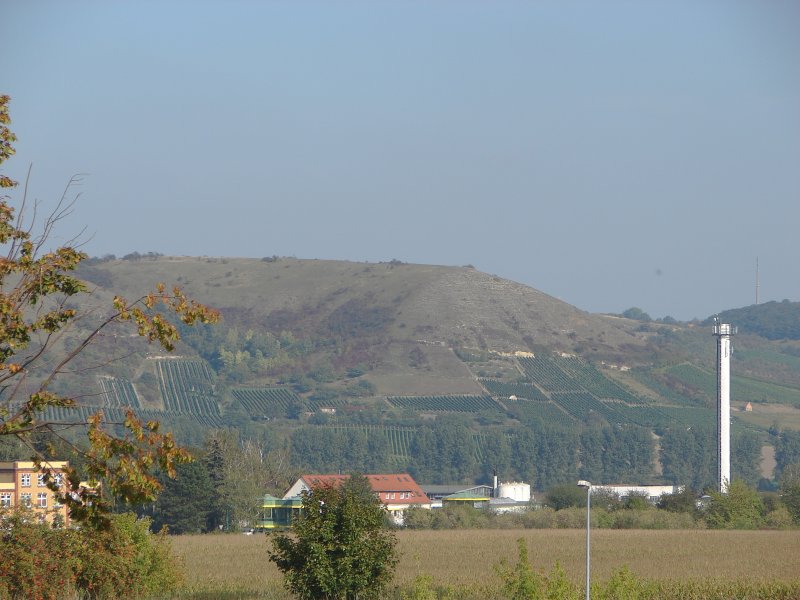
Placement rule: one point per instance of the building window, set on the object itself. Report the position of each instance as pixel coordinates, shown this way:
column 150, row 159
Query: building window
column 25, row 499
column 40, row 480
column 58, row 479
column 5, row 500
column 41, row 500
column 25, row 480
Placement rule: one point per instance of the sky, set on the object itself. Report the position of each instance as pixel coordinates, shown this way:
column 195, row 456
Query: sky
column 612, row 154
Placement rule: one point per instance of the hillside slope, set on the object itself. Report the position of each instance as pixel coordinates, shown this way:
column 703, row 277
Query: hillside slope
column 454, row 305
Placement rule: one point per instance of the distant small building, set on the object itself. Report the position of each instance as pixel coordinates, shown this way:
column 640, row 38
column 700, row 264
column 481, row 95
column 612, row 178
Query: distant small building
column 748, row 407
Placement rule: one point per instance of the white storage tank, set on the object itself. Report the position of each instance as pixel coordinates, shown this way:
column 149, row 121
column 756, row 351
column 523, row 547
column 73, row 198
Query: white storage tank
column 521, row 492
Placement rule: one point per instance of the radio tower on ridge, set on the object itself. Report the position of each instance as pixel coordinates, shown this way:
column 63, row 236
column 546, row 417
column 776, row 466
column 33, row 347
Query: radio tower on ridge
column 758, row 282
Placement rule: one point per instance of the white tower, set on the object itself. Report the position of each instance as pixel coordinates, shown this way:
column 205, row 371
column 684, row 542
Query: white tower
column 724, row 332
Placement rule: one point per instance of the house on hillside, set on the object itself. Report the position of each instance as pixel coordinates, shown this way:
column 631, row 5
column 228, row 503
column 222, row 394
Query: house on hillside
column 397, row 492
column 22, row 485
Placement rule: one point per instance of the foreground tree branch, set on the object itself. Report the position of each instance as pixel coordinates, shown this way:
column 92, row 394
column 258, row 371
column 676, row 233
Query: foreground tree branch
column 41, row 301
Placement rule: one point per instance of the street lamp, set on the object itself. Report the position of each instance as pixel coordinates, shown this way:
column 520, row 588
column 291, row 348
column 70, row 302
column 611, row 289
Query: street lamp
column 588, row 485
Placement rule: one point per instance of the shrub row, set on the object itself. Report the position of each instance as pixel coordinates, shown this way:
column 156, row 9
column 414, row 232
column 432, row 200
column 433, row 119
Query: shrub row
column 466, row 517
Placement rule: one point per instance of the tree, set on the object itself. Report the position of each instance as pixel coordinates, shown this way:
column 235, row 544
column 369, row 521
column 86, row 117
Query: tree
column 746, row 456
column 44, row 329
column 250, row 470
column 787, row 450
column 565, row 496
column 739, row 508
column 637, row 314
column 186, row 502
column 790, row 490
column 682, row 501
column 341, row 547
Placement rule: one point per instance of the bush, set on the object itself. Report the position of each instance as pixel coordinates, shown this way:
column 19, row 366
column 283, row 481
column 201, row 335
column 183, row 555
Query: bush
column 35, row 560
column 740, row 508
column 42, row 563
column 521, row 582
column 126, row 561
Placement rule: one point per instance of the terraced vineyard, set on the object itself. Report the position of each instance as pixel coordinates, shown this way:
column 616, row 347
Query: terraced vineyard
column 593, row 380
column 265, row 401
column 746, row 389
column 469, row 404
column 118, row 392
column 695, row 377
column 503, row 390
column 546, row 374
column 548, row 412
column 743, row 389
column 649, row 415
column 187, row 386
column 690, row 415
column 117, row 415
column 581, row 404
column 648, row 378
column 399, row 437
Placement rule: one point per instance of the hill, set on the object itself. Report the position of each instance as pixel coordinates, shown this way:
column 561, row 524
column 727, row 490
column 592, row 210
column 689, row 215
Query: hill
column 329, row 353
column 771, row 320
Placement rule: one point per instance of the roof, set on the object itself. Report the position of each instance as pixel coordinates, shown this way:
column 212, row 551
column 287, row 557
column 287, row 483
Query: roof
column 270, row 501
column 382, row 483
column 467, row 496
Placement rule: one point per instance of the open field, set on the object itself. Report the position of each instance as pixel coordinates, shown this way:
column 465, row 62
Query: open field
column 236, row 566
column 766, row 415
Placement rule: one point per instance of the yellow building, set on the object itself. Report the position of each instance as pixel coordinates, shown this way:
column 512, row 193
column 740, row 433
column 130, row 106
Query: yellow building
column 22, row 485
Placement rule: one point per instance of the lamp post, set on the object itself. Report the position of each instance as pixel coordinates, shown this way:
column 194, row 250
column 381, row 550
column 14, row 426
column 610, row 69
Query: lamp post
column 588, row 485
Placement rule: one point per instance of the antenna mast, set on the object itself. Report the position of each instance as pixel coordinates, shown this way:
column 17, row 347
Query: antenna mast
column 758, row 284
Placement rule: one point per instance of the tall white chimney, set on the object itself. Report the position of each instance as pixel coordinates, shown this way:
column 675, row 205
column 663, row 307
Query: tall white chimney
column 724, row 332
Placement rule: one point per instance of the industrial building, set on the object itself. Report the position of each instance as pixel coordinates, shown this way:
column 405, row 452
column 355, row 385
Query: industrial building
column 499, row 497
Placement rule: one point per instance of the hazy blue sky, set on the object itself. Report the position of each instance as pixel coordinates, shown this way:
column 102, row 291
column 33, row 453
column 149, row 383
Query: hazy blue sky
column 612, row 154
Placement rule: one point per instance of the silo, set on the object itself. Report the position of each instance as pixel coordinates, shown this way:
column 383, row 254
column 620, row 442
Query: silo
column 521, row 492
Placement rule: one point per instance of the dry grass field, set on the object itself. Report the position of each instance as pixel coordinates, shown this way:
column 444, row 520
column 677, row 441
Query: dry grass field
column 236, row 566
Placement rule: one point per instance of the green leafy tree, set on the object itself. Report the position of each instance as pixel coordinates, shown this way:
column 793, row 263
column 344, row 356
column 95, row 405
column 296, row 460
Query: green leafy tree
column 787, row 450
column 341, row 547
column 45, row 326
column 565, row 496
column 746, row 456
column 790, row 490
column 740, row 508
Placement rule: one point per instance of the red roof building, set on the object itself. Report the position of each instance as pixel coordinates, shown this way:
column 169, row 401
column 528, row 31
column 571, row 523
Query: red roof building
column 397, row 492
